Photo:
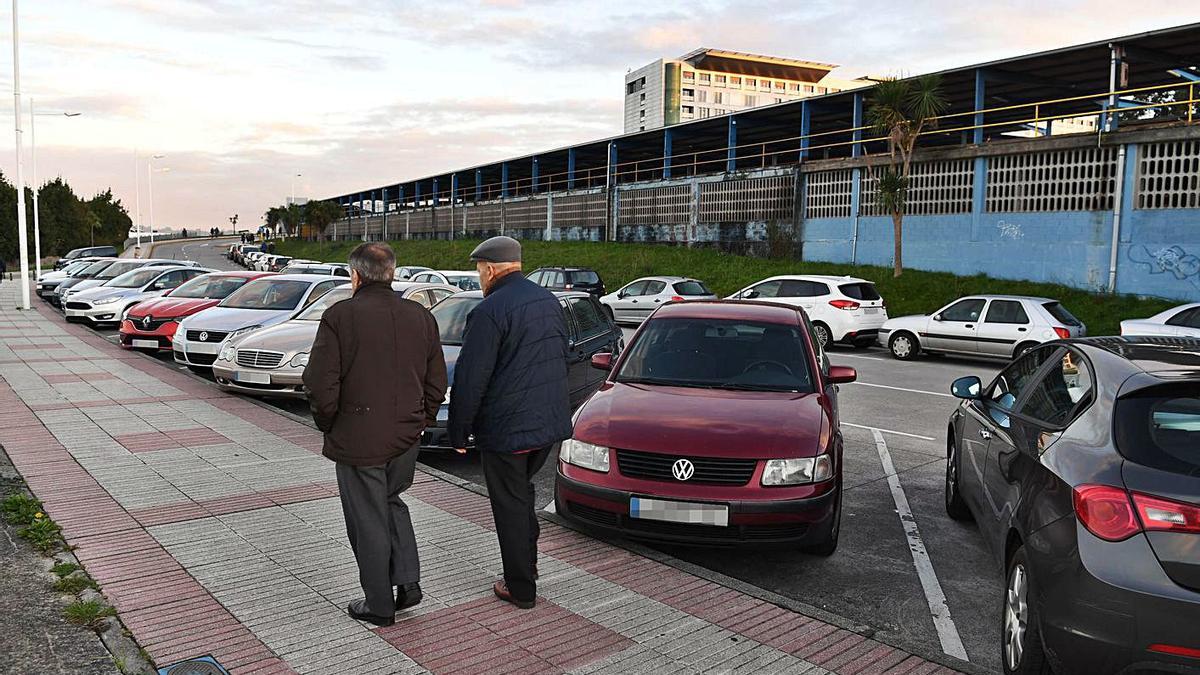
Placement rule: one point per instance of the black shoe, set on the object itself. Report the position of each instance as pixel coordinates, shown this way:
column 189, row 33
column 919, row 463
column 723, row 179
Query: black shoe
column 408, row 595
column 358, row 611
column 502, row 592
column 535, row 574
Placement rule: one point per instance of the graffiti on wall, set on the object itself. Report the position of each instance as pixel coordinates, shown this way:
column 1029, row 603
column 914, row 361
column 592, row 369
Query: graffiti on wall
column 1008, row 230
column 1173, row 260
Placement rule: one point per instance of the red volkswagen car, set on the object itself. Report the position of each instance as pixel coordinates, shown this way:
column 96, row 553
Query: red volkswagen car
column 151, row 325
column 718, row 425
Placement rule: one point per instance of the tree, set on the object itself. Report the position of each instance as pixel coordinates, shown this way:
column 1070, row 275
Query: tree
column 319, row 214
column 900, row 111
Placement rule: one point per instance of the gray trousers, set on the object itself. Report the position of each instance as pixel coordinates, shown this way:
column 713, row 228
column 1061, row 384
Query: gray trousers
column 380, row 528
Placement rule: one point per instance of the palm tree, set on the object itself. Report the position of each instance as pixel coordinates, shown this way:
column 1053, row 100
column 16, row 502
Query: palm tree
column 900, row 111
column 319, row 214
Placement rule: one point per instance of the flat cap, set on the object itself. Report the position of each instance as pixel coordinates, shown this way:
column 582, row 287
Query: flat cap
column 500, row 249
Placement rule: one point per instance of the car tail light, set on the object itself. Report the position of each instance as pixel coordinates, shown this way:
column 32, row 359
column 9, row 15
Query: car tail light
column 1106, row 512
column 676, row 298
column 844, row 304
column 1175, row 650
column 1062, row 333
column 1158, row 514
column 568, row 287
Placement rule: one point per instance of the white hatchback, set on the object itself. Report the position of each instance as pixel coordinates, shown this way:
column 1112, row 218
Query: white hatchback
column 638, row 299
column 842, row 309
column 1181, row 321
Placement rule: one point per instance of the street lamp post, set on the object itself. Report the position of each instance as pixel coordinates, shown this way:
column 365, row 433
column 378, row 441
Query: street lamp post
column 293, row 200
column 22, row 236
column 37, row 223
column 150, row 190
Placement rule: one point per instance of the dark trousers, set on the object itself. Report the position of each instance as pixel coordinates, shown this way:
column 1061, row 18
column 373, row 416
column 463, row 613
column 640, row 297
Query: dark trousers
column 380, row 528
column 509, row 479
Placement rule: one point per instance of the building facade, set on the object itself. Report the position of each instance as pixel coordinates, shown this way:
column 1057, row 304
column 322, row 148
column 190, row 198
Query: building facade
column 711, row 82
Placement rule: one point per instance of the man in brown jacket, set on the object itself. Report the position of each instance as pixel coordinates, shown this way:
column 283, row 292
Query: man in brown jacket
column 375, row 379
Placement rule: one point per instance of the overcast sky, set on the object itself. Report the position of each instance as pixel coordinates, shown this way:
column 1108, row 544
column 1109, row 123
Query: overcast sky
column 241, row 96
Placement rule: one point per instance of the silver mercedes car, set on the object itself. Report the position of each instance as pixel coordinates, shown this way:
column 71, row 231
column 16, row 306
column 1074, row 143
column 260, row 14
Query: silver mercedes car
column 270, row 361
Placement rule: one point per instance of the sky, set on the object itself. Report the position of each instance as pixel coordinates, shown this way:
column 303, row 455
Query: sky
column 241, row 96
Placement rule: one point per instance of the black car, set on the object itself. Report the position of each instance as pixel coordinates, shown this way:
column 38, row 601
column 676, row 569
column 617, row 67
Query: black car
column 568, row 279
column 1080, row 463
column 591, row 332
column 85, row 252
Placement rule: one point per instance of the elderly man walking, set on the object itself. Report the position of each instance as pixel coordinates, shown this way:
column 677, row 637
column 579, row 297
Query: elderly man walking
column 375, row 379
column 510, row 391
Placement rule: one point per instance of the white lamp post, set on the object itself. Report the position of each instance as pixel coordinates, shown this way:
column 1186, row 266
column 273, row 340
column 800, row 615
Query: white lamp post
column 22, row 236
column 37, row 223
column 293, row 201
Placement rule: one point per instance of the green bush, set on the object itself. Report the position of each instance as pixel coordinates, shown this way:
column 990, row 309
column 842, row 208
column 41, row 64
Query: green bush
column 89, row 613
column 43, row 534
column 20, row 508
column 74, row 583
column 916, row 292
column 64, row 569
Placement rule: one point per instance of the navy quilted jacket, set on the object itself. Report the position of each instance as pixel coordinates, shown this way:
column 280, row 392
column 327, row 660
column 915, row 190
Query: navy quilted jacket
column 510, row 383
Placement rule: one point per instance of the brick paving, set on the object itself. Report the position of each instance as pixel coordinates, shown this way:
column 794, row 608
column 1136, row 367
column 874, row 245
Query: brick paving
column 213, row 527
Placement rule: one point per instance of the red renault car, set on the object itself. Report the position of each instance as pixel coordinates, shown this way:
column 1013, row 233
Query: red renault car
column 151, row 325
column 718, row 425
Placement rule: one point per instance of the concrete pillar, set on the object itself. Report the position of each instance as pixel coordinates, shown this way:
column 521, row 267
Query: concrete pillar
column 855, row 209
column 667, row 138
column 549, row 217
column 1115, row 81
column 571, row 168
column 383, row 235
column 857, row 135
column 805, row 126
column 478, row 185
column 731, row 145
column 534, row 170
column 504, row 179
column 980, row 104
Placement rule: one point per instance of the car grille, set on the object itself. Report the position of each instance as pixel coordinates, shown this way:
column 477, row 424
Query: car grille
column 256, row 358
column 710, row 470
column 201, row 359
column 213, row 335
column 154, row 324
column 78, row 305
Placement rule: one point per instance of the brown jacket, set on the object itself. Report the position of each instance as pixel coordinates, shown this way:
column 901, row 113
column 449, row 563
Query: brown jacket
column 375, row 377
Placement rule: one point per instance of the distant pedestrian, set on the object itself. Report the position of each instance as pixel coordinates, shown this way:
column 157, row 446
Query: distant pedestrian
column 3, row 269
column 510, row 392
column 375, row 380
column 184, row 233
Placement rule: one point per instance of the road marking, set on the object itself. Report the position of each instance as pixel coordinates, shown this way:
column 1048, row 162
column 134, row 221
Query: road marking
column 938, row 609
column 549, row 508
column 889, row 431
column 911, row 391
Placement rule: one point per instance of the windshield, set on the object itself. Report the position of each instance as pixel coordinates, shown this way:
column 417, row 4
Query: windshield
column 77, row 267
column 316, row 310
column 467, row 283
column 210, row 286
column 135, row 278
column 1059, row 312
column 267, row 294
column 451, row 315
column 690, row 287
column 719, row 354
column 118, row 268
column 583, row 277
column 95, row 268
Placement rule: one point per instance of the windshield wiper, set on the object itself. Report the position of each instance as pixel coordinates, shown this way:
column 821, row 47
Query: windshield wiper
column 760, row 387
column 665, row 383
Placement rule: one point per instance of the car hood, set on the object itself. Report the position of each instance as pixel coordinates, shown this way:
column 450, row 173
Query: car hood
column 703, row 422
column 913, row 321
column 97, row 292
column 229, row 319
column 168, row 308
column 287, row 337
column 84, row 284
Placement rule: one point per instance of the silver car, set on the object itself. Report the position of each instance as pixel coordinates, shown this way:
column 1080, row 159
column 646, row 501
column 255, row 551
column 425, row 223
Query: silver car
column 637, row 300
column 266, row 301
column 113, row 269
column 271, row 361
column 112, row 300
column 1000, row 326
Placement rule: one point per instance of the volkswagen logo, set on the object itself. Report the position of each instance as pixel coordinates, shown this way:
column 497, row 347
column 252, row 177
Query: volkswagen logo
column 147, row 321
column 683, row 469
column 203, row 336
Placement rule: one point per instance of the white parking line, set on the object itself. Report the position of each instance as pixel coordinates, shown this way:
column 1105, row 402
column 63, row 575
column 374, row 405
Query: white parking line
column 938, row 609
column 889, row 431
column 911, row 391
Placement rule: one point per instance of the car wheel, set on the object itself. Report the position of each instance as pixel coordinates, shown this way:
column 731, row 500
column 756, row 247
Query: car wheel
column 904, row 346
column 827, row 545
column 1020, row 640
column 956, row 508
column 1022, row 348
column 821, row 332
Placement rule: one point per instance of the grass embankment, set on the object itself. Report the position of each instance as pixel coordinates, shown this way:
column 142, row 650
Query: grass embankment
column 915, row 292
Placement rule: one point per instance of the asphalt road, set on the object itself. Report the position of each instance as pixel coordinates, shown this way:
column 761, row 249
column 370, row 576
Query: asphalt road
column 902, row 567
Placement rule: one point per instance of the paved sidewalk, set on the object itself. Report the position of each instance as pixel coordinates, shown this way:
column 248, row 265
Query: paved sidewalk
column 213, row 526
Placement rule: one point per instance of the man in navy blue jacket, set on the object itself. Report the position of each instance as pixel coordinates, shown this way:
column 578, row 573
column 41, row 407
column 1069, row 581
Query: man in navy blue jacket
column 510, row 391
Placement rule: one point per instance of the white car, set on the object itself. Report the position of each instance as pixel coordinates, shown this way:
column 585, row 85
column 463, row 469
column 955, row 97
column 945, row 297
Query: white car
column 638, row 299
column 265, row 301
column 308, row 267
column 1002, row 326
column 841, row 309
column 110, row 302
column 1181, row 321
column 116, row 269
column 467, row 281
column 405, row 272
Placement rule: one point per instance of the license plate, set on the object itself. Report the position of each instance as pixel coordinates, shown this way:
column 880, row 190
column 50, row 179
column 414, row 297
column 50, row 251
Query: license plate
column 204, row 347
column 679, row 512
column 146, row 344
column 252, row 377
column 872, row 310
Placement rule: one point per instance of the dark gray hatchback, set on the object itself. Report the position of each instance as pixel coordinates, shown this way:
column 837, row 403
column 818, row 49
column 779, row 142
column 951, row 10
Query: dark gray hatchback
column 1080, row 463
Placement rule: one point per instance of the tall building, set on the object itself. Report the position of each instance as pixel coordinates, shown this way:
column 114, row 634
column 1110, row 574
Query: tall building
column 709, row 82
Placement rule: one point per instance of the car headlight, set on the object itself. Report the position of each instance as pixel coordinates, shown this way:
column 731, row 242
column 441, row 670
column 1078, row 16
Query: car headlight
column 586, row 455
column 107, row 301
column 798, row 471
column 227, row 352
column 299, row 360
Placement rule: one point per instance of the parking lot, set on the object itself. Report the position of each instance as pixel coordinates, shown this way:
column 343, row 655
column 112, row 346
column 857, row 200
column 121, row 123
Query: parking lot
column 903, row 567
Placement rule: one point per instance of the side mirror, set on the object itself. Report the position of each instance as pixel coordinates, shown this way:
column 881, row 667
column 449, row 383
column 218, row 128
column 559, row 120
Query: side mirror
column 968, row 387
column 842, row 374
column 749, row 295
column 602, row 361
column 937, row 317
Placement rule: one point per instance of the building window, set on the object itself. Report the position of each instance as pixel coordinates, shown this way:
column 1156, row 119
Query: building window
column 718, row 97
column 705, row 112
column 821, row 90
column 689, row 75
column 687, row 93
column 751, row 101
column 808, row 89
column 642, row 128
column 705, row 77
column 751, row 82
column 701, row 96
column 794, row 87
column 687, row 109
column 765, row 84
column 720, row 80
column 642, row 114
column 833, row 90
column 780, row 85
column 635, row 86
column 735, row 81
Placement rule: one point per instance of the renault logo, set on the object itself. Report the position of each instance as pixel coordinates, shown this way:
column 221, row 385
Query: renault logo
column 203, row 336
column 146, row 321
column 683, row 469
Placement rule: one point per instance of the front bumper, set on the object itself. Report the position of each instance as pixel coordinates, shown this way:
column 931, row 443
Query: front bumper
column 284, row 381
column 45, row 291
column 783, row 521
column 195, row 354
column 133, row 337
column 76, row 310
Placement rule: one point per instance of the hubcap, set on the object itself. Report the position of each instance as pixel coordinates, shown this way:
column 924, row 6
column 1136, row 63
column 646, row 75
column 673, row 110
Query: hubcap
column 901, row 346
column 822, row 335
column 1016, row 616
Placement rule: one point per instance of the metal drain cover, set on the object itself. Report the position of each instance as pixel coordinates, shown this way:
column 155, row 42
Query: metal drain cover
column 204, row 665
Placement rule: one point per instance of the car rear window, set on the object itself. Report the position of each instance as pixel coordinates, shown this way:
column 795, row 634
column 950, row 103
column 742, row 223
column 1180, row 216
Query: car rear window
column 860, row 291
column 1160, row 428
column 583, row 277
column 1059, row 312
column 691, row 287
